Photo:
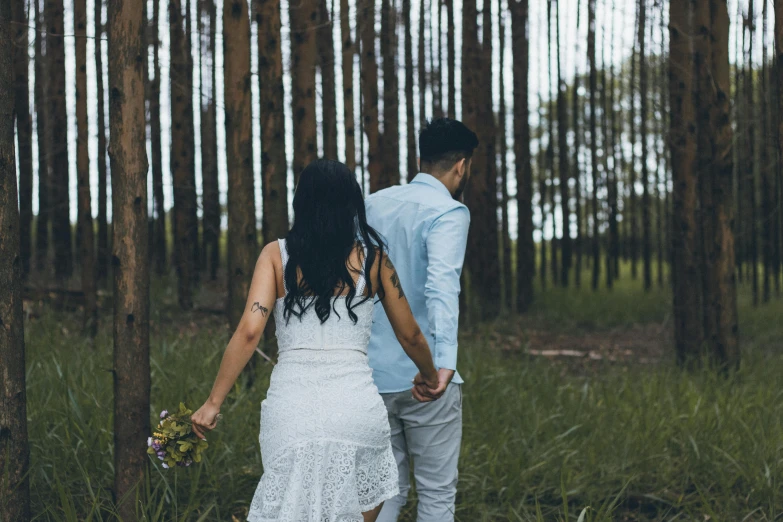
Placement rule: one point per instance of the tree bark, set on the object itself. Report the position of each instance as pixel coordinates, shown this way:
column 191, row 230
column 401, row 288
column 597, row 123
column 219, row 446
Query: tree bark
column 508, row 280
column 551, row 147
column 348, row 56
column 242, row 246
column 591, row 22
column 575, row 110
column 646, row 228
column 21, row 62
column 130, row 256
column 14, row 449
column 40, row 92
column 304, row 19
column 390, row 174
column 86, row 234
column 766, row 181
column 326, row 64
column 526, row 250
column 778, row 68
column 207, row 20
column 159, row 229
column 182, row 156
column 57, row 128
column 410, row 122
column 102, row 252
column 369, row 86
column 750, row 155
column 632, row 237
column 564, row 167
column 274, row 172
column 422, row 65
column 452, row 110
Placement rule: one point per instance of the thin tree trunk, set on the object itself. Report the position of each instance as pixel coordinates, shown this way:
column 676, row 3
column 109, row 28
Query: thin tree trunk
column 242, row 246
column 451, row 49
column 326, row 65
column 87, row 243
column 565, row 168
column 304, row 18
column 57, row 128
column 21, row 60
column 369, row 86
column 508, row 280
column 613, row 256
column 410, row 132
column 550, row 151
column 40, row 92
column 390, row 174
column 750, row 150
column 422, row 65
column 348, row 57
column 591, row 22
column 632, row 237
column 159, row 230
column 207, row 20
column 130, row 258
column 434, row 66
column 182, row 149
column 14, row 449
column 102, row 253
column 646, row 241
column 766, row 181
column 274, row 188
column 608, row 174
column 526, row 250
column 778, row 68
column 577, row 150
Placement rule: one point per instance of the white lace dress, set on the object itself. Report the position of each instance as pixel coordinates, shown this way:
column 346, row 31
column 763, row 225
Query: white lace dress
column 324, row 437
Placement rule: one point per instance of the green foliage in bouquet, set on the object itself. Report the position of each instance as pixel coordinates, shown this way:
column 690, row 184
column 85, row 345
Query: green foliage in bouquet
column 174, row 441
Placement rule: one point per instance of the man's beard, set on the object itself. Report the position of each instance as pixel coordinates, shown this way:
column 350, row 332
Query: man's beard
column 461, row 188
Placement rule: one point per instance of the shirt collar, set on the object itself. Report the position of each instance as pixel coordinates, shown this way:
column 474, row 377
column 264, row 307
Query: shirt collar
column 432, row 181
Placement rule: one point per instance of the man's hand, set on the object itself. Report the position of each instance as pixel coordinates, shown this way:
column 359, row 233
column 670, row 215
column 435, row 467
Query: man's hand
column 423, row 392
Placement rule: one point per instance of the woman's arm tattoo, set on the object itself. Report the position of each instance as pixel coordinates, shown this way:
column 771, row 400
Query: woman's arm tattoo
column 395, row 279
column 258, row 308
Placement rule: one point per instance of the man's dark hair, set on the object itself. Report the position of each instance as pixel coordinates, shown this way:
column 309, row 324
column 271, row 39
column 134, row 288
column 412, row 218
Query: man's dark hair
column 444, row 141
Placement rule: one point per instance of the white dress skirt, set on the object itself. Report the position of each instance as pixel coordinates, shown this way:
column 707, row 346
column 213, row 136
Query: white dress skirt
column 325, row 437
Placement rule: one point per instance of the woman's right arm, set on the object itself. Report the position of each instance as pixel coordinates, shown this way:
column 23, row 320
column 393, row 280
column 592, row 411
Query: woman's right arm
column 406, row 329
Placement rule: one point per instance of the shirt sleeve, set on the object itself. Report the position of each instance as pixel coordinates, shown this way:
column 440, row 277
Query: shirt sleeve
column 446, row 242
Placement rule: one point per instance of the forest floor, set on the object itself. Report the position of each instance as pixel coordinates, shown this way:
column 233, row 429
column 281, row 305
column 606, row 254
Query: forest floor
column 576, row 408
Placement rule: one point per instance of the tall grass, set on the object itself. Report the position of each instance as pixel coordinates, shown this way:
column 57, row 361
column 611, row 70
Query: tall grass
column 542, row 441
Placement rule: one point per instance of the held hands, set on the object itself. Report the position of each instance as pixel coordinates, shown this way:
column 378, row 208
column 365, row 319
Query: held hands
column 427, row 390
column 205, row 419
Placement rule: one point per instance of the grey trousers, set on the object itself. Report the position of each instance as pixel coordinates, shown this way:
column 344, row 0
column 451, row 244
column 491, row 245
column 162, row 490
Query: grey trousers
column 426, row 437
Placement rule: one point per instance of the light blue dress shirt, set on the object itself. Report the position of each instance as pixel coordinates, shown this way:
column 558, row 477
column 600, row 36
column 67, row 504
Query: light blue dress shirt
column 426, row 231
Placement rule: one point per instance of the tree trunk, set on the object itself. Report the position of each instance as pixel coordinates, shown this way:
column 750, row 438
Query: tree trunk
column 591, row 22
column 435, row 62
column 576, row 159
column 159, row 230
column 410, row 122
column 608, row 177
column 452, row 110
column 102, row 253
column 326, row 65
column 508, row 280
column 565, row 168
column 86, row 234
column 130, row 258
column 613, row 255
column 778, row 68
column 632, row 238
column 550, row 150
column 40, row 93
column 750, row 151
column 57, row 128
column 348, row 57
column 274, row 188
column 304, row 19
column 422, row 65
column 242, row 246
column 207, row 17
column 21, row 60
column 714, row 171
column 182, row 150
column 481, row 194
column 369, row 86
column 390, row 174
column 14, row 450
column 646, row 241
column 526, row 250
column 766, row 180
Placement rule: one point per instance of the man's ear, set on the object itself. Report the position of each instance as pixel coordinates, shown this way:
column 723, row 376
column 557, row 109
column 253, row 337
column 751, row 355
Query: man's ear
column 462, row 167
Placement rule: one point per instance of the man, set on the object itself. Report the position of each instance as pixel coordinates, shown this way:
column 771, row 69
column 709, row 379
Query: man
column 426, row 229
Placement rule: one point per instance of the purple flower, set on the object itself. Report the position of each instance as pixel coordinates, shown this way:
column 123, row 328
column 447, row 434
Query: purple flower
column 156, row 444
column 164, row 414
column 160, row 454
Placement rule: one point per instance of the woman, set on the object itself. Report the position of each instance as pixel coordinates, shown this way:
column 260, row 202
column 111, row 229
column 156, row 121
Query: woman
column 324, row 435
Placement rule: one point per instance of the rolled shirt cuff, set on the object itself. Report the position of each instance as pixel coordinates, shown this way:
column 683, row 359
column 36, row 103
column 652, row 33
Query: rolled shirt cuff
column 445, row 356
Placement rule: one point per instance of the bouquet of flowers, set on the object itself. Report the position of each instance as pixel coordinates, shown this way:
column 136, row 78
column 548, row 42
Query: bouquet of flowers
column 174, row 441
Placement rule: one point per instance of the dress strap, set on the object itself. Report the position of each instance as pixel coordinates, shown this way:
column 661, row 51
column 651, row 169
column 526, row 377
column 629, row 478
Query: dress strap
column 362, row 281
column 284, row 258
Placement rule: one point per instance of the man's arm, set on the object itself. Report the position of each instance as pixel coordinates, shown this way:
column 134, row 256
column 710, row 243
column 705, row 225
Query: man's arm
column 446, row 242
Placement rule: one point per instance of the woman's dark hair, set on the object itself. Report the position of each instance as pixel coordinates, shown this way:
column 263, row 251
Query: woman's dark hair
column 329, row 221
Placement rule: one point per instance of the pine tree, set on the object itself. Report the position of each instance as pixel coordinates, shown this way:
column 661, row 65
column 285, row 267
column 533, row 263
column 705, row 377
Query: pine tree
column 303, row 17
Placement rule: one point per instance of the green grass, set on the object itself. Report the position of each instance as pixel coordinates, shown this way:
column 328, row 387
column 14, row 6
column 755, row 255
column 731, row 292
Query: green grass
column 542, row 440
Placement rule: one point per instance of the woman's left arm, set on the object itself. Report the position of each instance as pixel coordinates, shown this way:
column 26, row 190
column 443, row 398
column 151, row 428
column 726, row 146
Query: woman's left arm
column 260, row 303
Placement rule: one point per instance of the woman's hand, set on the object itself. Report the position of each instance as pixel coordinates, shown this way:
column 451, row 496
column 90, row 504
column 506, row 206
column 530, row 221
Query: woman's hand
column 205, row 419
